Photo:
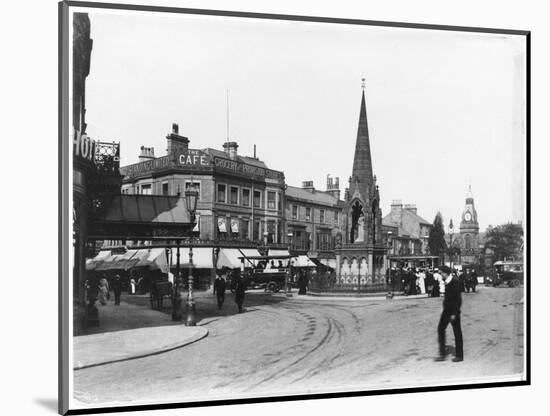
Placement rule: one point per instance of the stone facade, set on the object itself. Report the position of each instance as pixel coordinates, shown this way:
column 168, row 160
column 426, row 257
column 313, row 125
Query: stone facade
column 361, row 258
column 468, row 240
column 314, row 218
column 240, row 199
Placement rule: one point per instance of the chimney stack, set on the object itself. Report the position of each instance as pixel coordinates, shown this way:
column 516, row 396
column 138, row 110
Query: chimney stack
column 308, row 186
column 396, row 211
column 333, row 186
column 147, row 153
column 176, row 144
column 411, row 208
column 230, row 149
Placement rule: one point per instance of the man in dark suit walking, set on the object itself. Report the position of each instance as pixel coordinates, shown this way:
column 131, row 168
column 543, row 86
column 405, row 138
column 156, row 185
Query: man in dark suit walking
column 219, row 289
column 117, row 286
column 240, row 289
column 451, row 314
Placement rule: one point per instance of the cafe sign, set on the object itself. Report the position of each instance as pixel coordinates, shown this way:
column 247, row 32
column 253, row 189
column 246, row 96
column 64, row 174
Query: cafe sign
column 193, row 158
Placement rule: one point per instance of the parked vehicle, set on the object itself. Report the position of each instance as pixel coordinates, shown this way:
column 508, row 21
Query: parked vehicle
column 509, row 272
column 270, row 273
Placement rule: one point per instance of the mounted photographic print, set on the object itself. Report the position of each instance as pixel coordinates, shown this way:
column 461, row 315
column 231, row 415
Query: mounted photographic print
column 267, row 207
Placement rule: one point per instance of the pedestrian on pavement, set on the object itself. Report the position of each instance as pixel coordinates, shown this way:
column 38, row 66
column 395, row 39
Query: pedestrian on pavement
column 436, row 283
column 420, row 278
column 219, row 289
column 412, row 282
column 117, row 287
column 451, row 314
column 240, row 289
column 103, row 290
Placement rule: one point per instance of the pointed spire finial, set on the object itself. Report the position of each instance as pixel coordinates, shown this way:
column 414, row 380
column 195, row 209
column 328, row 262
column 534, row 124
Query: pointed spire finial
column 363, row 83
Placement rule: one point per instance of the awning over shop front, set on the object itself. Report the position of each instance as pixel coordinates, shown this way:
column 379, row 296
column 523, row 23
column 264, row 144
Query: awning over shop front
column 152, row 258
column 273, row 252
column 91, row 264
column 202, row 257
column 108, row 263
column 249, row 252
column 124, row 261
column 329, row 263
column 229, row 257
column 302, row 261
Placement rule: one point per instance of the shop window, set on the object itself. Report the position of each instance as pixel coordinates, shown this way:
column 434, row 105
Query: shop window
column 234, row 195
column 221, row 193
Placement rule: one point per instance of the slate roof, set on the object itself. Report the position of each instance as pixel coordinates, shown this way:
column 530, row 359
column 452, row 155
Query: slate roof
column 146, row 209
column 243, row 159
column 316, row 197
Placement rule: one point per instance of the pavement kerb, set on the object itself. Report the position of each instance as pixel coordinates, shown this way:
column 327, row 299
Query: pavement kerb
column 200, row 333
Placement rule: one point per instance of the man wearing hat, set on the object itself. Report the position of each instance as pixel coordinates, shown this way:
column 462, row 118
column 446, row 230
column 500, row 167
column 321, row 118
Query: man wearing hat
column 451, row 314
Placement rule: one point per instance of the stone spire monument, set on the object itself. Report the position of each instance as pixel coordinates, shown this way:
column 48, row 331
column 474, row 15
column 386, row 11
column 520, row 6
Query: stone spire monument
column 361, row 259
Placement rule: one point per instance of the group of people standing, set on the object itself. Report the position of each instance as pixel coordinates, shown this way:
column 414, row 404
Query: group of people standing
column 239, row 284
column 99, row 289
column 415, row 281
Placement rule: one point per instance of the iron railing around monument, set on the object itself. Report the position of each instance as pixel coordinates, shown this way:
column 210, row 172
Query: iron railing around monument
column 328, row 282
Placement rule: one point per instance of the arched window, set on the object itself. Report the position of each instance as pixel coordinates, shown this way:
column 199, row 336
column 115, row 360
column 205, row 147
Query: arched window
column 467, row 241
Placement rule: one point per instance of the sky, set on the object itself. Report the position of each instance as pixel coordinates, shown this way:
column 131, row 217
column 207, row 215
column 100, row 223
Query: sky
column 445, row 109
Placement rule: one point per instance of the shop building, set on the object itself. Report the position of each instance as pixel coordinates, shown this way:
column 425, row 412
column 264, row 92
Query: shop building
column 314, row 219
column 240, row 200
column 407, row 234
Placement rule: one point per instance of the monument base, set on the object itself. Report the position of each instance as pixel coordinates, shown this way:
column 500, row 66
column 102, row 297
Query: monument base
column 361, row 264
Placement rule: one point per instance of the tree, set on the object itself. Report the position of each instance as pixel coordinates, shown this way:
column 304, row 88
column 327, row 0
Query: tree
column 436, row 239
column 505, row 241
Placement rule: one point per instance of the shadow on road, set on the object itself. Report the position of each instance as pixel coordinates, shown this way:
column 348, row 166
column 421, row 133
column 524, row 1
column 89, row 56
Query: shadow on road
column 206, row 307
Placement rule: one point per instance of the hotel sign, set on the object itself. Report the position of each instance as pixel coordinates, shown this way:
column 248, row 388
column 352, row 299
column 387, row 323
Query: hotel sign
column 83, row 147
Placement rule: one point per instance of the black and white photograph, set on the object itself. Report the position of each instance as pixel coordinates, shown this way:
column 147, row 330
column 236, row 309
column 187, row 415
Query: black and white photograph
column 263, row 207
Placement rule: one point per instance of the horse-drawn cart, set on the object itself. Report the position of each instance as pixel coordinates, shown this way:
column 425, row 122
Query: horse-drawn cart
column 159, row 290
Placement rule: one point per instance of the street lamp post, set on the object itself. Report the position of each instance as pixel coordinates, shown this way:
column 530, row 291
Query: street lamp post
column 287, row 287
column 191, row 196
column 176, row 301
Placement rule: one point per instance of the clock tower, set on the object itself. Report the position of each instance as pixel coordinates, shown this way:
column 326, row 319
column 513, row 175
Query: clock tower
column 469, row 230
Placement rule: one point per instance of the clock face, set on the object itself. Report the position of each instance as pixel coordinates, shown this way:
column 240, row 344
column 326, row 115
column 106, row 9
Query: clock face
column 468, row 216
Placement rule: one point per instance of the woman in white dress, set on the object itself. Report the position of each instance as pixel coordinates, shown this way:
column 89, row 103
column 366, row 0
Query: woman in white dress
column 103, row 290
